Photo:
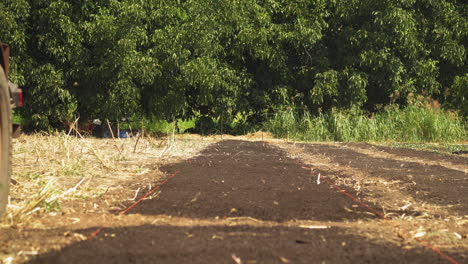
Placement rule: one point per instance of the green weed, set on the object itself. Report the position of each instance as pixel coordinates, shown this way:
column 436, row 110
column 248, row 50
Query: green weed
column 411, row 124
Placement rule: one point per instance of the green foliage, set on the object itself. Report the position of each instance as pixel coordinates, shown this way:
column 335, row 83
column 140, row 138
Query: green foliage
column 179, row 60
column 13, row 18
column 458, row 95
column 415, row 123
column 326, row 85
column 51, row 104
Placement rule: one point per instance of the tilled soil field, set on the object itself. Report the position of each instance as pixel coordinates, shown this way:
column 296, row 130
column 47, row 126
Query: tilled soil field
column 257, row 202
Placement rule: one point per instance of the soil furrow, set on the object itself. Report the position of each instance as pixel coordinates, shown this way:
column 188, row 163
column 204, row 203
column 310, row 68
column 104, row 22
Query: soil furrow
column 432, row 184
column 251, row 182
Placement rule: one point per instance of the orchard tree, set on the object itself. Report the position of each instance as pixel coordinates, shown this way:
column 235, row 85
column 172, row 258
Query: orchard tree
column 226, row 59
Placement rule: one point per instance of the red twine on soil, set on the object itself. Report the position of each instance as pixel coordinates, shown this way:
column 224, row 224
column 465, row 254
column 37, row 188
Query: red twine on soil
column 422, row 242
column 354, row 198
column 95, row 233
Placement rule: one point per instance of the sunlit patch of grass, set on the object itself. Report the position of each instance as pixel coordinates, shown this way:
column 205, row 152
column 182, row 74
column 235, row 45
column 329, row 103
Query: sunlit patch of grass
column 415, row 124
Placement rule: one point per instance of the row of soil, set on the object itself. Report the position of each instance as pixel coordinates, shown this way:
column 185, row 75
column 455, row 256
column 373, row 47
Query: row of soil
column 219, row 244
column 433, row 184
column 245, row 179
column 412, row 153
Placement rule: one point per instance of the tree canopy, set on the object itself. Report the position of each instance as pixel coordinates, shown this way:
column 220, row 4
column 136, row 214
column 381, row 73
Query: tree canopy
column 178, row 59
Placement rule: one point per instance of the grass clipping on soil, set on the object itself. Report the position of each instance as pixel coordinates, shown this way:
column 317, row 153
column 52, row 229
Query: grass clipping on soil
column 48, row 169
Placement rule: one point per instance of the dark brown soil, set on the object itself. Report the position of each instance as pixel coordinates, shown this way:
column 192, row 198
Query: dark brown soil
column 240, row 178
column 407, row 152
column 428, row 183
column 150, row 244
column 258, row 181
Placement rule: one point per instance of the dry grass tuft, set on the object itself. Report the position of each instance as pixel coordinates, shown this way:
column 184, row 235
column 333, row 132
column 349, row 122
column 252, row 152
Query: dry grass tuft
column 48, row 169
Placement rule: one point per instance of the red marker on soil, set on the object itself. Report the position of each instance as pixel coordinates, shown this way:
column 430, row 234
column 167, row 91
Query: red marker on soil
column 422, row 242
column 95, row 233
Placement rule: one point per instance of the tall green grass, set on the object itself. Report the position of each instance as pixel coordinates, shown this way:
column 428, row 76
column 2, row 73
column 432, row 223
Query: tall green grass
column 411, row 124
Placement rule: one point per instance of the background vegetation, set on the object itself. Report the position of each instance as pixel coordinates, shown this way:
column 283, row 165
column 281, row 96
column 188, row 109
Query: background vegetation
column 244, row 63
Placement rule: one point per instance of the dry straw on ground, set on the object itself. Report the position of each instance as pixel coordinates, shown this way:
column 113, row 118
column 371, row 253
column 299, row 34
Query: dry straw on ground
column 48, row 169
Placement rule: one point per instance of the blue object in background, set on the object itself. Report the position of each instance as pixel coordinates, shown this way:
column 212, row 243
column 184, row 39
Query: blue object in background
column 123, row 134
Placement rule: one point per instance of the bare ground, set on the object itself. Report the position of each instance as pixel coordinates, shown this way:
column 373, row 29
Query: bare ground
column 243, row 201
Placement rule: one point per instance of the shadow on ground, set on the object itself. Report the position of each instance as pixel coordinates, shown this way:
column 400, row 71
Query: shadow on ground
column 427, row 183
column 241, row 178
column 209, row 244
column 412, row 153
column 249, row 179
